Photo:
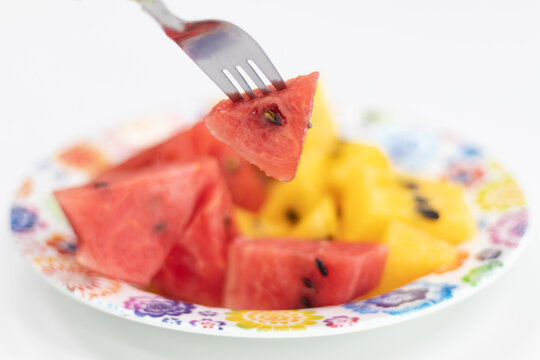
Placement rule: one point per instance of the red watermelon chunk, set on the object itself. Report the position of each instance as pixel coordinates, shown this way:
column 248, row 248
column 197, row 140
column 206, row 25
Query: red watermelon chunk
column 185, row 146
column 279, row 274
column 246, row 183
column 127, row 225
column 195, row 268
column 268, row 131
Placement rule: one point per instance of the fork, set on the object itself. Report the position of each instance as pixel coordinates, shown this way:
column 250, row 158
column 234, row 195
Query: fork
column 223, row 51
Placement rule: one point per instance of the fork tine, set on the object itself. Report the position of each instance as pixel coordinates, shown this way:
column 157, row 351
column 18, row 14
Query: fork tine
column 269, row 70
column 243, row 83
column 256, row 78
column 223, row 82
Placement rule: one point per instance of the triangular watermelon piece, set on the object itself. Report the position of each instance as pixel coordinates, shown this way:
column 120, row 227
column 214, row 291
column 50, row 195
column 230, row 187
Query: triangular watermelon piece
column 195, row 268
column 268, row 131
column 184, row 146
column 280, row 274
column 246, row 183
column 127, row 225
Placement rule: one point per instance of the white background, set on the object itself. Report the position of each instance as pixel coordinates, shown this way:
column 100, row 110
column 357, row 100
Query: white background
column 72, row 68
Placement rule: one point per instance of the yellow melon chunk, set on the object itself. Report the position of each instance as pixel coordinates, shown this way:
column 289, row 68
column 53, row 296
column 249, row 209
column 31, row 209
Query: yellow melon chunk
column 373, row 197
column 252, row 225
column 346, row 157
column 323, row 135
column 289, row 202
column 320, row 223
column 412, row 253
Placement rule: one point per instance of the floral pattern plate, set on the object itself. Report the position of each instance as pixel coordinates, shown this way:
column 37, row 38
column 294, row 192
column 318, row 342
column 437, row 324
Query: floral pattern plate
column 47, row 241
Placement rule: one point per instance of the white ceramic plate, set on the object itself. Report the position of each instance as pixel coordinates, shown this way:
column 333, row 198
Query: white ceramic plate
column 47, row 241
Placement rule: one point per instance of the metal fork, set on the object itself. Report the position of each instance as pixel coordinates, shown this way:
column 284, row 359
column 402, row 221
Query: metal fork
column 222, row 50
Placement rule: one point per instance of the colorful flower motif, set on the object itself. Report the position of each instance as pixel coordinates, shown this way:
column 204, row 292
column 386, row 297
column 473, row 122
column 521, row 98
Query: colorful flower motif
column 157, row 306
column 409, row 149
column 207, row 313
column 278, row 320
column 208, row 324
column 22, row 219
column 489, row 254
column 25, row 189
column 171, row 320
column 460, row 259
column 478, row 274
column 412, row 297
column 500, row 195
column 61, row 244
column 84, row 157
column 340, row 321
column 469, row 151
column 76, row 278
column 465, row 173
column 32, row 247
column 509, row 230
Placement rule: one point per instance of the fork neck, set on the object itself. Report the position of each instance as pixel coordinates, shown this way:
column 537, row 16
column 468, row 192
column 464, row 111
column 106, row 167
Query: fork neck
column 160, row 13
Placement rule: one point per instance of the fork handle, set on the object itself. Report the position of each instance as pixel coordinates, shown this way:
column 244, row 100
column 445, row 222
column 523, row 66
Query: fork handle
column 160, row 13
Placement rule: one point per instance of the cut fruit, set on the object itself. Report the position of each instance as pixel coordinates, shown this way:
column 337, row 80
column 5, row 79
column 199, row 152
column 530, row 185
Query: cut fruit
column 347, row 157
column 255, row 226
column 280, row 274
column 268, row 131
column 247, row 184
column 195, row 268
column 412, row 253
column 321, row 223
column 182, row 147
column 287, row 203
column 127, row 225
column 373, row 197
column 322, row 136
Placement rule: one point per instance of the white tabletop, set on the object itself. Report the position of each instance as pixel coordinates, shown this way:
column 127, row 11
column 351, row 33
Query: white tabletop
column 72, row 68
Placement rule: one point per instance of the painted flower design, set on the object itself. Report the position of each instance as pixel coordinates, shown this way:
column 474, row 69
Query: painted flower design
column 478, row 274
column 409, row 149
column 500, row 195
column 77, row 278
column 509, row 230
column 340, row 321
column 84, row 157
column 157, row 306
column 412, row 297
column 171, row 320
column 465, row 173
column 278, row 320
column 22, row 219
column 208, row 324
column 207, row 313
column 25, row 189
column 32, row 247
column 489, row 254
column 62, row 244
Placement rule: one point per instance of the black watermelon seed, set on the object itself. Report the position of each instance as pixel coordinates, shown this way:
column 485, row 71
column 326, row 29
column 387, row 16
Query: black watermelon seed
column 292, row 216
column 309, row 125
column 160, row 227
column 428, row 212
column 100, row 184
column 420, row 199
column 307, row 282
column 411, row 185
column 305, row 301
column 226, row 220
column 273, row 117
column 322, row 268
column 231, row 163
